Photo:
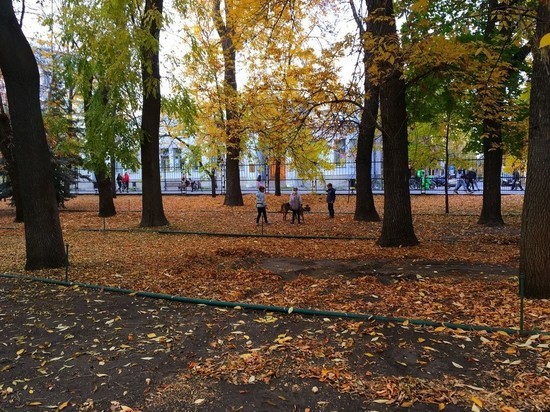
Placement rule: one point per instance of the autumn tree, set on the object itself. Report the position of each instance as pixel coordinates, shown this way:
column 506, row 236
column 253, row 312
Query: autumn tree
column 100, row 63
column 286, row 98
column 224, row 15
column 152, row 208
column 477, row 51
column 494, row 96
column 535, row 236
column 43, row 235
column 365, row 209
column 397, row 227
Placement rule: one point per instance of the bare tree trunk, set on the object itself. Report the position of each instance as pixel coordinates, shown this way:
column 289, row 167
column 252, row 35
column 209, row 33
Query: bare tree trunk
column 397, row 226
column 491, row 214
column 43, row 235
column 278, row 177
column 152, row 208
column 105, row 191
column 6, row 148
column 233, row 195
column 365, row 210
column 491, row 211
column 535, row 233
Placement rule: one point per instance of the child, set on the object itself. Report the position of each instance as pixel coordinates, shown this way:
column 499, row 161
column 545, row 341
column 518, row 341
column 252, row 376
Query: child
column 295, row 202
column 261, row 205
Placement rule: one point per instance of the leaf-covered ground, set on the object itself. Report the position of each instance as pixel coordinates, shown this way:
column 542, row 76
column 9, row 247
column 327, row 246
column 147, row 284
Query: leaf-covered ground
column 77, row 349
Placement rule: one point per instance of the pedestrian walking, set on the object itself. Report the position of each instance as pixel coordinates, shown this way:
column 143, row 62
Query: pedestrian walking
column 517, row 180
column 119, row 182
column 461, row 182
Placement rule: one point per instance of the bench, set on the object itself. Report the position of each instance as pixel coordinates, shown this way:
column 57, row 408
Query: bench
column 171, row 185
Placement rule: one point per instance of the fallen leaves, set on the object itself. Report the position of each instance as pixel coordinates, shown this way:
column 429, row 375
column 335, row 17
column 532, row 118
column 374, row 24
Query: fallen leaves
column 361, row 358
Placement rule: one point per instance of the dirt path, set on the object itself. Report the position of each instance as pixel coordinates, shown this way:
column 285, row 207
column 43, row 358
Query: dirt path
column 109, row 352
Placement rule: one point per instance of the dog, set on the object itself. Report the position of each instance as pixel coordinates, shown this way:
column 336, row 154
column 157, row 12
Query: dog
column 285, row 208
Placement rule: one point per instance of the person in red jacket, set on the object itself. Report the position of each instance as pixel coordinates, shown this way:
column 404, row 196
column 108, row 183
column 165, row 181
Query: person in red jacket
column 126, row 181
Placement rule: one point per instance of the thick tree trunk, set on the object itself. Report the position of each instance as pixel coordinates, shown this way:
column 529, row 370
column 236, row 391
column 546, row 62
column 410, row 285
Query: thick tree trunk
column 535, row 232
column 491, row 214
column 152, row 208
column 397, row 226
column 233, row 195
column 365, row 210
column 104, row 189
column 6, row 148
column 43, row 235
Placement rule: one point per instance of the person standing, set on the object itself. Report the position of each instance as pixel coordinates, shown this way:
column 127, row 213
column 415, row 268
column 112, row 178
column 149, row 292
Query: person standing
column 261, row 205
column 295, row 203
column 126, row 181
column 331, row 198
column 119, row 182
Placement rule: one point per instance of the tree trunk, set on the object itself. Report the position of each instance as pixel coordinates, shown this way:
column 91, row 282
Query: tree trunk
column 43, row 235
column 491, row 211
column 152, row 208
column 6, row 148
column 535, row 233
column 278, row 177
column 491, row 214
column 213, row 182
column 233, row 195
column 113, row 176
column 105, row 191
column 365, row 210
column 397, row 226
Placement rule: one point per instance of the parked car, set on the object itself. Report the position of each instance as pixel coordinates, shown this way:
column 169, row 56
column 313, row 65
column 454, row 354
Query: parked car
column 439, row 181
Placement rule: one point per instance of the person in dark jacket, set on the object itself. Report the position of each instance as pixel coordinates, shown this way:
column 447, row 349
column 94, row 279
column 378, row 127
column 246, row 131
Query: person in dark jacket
column 517, row 180
column 331, row 198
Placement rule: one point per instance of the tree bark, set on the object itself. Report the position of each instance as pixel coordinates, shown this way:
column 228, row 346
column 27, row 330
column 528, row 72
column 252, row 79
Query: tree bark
column 278, row 177
column 491, row 211
column 106, row 203
column 43, row 235
column 6, row 148
column 233, row 195
column 491, row 214
column 397, row 226
column 365, row 210
column 535, row 233
column 152, row 208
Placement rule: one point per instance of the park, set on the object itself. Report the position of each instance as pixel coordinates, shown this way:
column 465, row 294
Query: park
column 419, row 281
column 215, row 313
